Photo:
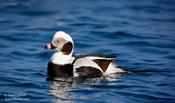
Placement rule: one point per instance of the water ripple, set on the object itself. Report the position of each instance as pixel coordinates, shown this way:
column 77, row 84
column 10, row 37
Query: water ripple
column 139, row 33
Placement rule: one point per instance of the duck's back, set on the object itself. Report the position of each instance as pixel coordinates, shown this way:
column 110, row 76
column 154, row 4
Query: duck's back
column 94, row 65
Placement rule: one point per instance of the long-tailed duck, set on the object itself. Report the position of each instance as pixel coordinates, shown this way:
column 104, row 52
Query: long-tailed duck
column 64, row 64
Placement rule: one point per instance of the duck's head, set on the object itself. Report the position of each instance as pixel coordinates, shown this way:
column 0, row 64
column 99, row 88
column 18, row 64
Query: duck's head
column 62, row 42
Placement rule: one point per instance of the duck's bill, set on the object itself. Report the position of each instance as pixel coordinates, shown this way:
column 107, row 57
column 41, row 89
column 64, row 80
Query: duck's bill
column 50, row 46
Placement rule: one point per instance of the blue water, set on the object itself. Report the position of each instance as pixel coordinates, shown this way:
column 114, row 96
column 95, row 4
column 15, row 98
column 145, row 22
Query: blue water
column 141, row 33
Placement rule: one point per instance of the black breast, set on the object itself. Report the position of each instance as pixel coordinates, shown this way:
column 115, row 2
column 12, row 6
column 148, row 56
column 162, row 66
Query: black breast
column 54, row 70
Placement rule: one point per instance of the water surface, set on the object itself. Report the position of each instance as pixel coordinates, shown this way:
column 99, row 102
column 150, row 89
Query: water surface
column 139, row 32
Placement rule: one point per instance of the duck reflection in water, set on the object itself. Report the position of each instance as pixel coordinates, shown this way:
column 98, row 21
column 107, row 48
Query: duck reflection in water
column 61, row 91
column 64, row 89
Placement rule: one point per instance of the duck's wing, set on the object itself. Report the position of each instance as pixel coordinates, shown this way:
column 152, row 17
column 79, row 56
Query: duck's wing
column 95, row 55
column 92, row 64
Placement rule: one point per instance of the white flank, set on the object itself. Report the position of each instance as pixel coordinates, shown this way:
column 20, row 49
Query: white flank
column 86, row 61
column 112, row 68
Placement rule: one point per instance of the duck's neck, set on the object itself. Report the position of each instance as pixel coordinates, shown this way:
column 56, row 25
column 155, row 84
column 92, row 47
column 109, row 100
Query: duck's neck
column 61, row 58
column 65, row 55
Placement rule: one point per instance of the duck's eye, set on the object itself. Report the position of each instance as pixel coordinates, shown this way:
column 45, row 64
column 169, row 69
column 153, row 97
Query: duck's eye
column 59, row 40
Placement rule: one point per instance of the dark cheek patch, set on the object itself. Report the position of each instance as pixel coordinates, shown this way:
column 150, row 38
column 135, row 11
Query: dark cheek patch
column 67, row 48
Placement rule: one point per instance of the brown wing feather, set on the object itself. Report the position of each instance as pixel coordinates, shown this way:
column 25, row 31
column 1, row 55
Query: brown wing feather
column 103, row 63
